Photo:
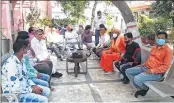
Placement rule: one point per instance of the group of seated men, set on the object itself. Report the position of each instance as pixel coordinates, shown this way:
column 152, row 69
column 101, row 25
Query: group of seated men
column 120, row 51
column 28, row 71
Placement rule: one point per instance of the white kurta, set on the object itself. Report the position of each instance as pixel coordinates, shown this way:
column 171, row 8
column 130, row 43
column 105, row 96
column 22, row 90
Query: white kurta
column 104, row 39
column 41, row 52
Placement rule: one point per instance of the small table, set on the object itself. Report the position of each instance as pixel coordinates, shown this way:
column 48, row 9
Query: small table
column 76, row 61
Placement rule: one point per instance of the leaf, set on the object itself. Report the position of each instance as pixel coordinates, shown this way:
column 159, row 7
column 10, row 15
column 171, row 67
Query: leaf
column 74, row 9
column 33, row 16
column 149, row 26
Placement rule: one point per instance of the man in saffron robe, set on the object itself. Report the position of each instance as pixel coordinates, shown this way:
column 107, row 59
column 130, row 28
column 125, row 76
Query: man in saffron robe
column 117, row 48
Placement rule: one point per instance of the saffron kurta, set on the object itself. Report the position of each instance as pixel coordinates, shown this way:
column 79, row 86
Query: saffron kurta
column 108, row 56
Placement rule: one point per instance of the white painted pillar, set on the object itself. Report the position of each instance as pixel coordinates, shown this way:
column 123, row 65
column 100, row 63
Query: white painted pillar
column 133, row 28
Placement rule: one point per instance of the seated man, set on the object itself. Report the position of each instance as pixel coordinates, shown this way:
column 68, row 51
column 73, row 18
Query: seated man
column 154, row 68
column 131, row 57
column 15, row 79
column 39, row 47
column 33, row 74
column 43, row 66
column 104, row 41
column 116, row 49
column 52, row 36
column 87, row 38
column 71, row 37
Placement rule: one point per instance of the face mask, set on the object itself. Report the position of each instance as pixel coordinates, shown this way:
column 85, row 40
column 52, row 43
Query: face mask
column 114, row 35
column 99, row 17
column 160, row 41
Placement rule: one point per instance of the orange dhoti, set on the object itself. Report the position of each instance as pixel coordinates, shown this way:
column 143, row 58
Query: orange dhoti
column 107, row 60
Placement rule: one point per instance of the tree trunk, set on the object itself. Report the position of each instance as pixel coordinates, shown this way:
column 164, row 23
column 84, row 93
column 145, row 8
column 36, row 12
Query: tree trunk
column 93, row 12
column 125, row 11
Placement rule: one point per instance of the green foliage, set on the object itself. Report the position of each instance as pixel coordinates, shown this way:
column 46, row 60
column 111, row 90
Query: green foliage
column 65, row 21
column 33, row 16
column 162, row 8
column 110, row 19
column 108, row 2
column 75, row 8
column 151, row 26
column 45, row 22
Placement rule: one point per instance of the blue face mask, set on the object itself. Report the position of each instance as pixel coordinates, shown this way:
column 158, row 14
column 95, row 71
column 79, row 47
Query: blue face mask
column 160, row 41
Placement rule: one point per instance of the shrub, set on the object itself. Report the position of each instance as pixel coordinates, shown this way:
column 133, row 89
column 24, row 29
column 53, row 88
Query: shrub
column 149, row 26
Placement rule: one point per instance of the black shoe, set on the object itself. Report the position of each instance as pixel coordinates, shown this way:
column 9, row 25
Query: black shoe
column 57, row 75
column 88, row 55
column 141, row 92
column 122, row 80
column 144, row 92
column 137, row 93
column 126, row 81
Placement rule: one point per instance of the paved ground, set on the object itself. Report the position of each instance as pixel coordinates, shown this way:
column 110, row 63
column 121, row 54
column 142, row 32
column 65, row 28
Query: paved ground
column 95, row 86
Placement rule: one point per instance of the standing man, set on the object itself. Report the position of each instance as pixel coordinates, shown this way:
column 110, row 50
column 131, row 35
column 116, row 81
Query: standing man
column 80, row 32
column 97, row 21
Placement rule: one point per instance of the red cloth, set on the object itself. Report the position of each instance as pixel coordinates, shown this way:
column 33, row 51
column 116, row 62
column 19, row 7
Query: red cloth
column 107, row 59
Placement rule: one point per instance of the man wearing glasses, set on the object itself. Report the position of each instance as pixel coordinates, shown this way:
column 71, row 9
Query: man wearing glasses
column 38, row 45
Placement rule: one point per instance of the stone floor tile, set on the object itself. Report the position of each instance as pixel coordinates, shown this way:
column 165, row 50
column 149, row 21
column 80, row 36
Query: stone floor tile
column 99, row 74
column 67, row 78
column 72, row 93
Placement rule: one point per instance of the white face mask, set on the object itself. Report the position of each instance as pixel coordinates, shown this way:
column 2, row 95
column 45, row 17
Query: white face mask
column 99, row 17
column 114, row 35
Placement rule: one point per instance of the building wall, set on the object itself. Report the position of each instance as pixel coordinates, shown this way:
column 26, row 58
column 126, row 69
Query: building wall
column 57, row 12
column 20, row 11
column 5, row 20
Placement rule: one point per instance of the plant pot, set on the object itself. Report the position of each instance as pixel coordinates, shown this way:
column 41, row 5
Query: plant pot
column 5, row 46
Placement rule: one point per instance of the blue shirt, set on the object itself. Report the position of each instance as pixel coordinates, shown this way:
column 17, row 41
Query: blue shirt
column 31, row 71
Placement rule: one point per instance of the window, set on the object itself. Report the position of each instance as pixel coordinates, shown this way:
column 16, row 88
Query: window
column 56, row 4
